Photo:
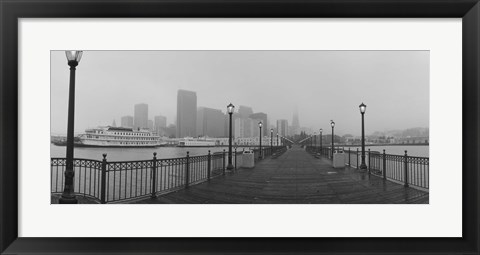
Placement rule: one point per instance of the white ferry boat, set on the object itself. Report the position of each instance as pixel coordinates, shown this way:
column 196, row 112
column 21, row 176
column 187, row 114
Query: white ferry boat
column 199, row 142
column 119, row 137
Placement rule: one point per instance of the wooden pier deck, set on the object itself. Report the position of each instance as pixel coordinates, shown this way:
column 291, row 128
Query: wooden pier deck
column 295, row 178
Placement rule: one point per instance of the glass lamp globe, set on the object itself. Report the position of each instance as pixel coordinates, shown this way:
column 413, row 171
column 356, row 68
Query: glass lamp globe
column 230, row 108
column 362, row 107
column 74, row 55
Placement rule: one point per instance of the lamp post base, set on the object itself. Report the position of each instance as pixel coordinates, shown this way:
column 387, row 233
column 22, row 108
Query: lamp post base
column 363, row 166
column 230, row 167
column 68, row 200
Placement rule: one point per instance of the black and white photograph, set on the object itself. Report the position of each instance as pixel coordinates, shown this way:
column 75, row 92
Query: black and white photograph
column 239, row 127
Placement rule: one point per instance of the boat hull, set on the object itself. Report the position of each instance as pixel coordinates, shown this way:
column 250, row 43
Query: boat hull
column 120, row 146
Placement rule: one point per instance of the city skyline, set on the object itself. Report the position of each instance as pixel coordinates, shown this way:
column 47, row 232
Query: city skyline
column 160, row 121
column 159, row 124
column 279, row 105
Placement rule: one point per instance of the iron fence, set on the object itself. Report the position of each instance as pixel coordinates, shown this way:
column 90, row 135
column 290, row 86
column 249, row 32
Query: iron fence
column 117, row 181
column 408, row 170
column 87, row 172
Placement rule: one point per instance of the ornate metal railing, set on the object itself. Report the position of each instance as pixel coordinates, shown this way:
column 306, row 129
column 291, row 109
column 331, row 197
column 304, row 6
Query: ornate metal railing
column 87, row 176
column 117, row 181
column 409, row 170
column 405, row 169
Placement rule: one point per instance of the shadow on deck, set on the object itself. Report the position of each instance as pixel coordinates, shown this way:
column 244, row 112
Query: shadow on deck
column 295, row 178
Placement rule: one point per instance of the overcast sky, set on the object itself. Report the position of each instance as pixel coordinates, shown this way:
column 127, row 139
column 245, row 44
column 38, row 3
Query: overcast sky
column 324, row 85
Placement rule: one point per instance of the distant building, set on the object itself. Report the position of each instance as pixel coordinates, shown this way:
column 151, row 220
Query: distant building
column 140, row 116
column 186, row 114
column 150, row 125
column 306, row 130
column 127, row 121
column 245, row 111
column 282, row 128
column 244, row 127
column 413, row 140
column 171, row 131
column 160, row 124
column 114, row 124
column 210, row 122
column 260, row 116
column 255, row 141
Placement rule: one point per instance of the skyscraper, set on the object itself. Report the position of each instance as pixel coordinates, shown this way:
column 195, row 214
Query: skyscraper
column 245, row 127
column 260, row 116
column 210, row 122
column 186, row 113
column 160, row 124
column 282, row 127
column 127, row 121
column 140, row 116
column 244, row 111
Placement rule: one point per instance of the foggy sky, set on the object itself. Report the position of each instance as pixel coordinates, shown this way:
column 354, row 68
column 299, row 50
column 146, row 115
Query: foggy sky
column 323, row 85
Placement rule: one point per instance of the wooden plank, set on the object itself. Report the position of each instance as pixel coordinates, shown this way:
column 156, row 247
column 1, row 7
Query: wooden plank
column 295, row 177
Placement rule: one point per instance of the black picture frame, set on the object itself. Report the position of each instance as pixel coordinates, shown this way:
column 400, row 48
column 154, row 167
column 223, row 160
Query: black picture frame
column 11, row 11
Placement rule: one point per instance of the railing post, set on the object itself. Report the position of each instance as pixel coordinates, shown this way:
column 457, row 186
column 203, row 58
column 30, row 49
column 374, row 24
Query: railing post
column 235, row 158
column 209, row 164
column 356, row 166
column 223, row 156
column 369, row 165
column 187, row 170
column 103, row 187
column 349, row 162
column 154, row 176
column 384, row 165
column 406, row 169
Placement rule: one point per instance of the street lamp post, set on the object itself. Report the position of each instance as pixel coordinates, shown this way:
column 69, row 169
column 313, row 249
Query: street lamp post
column 314, row 141
column 333, row 135
column 363, row 107
column 68, row 195
column 230, row 109
column 260, row 126
column 271, row 140
column 277, row 139
column 321, row 130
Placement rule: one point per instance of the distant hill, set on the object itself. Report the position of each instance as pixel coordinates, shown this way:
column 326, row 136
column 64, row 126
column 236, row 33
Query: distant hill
column 410, row 132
